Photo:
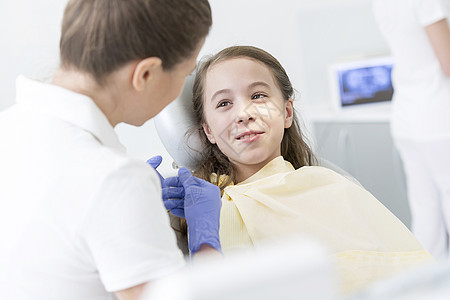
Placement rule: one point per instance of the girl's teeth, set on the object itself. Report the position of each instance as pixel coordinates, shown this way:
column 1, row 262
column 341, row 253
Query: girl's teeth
column 248, row 136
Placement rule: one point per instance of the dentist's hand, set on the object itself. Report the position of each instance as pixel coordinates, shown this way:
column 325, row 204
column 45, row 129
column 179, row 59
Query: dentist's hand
column 155, row 161
column 202, row 203
column 172, row 196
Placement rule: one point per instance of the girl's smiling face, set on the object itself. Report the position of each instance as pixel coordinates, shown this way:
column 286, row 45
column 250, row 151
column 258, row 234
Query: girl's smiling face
column 245, row 113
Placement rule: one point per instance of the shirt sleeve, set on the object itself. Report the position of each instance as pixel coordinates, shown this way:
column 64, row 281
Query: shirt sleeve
column 430, row 11
column 127, row 230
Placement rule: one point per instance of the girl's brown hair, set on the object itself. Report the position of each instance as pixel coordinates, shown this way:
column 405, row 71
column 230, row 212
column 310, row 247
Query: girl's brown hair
column 100, row 36
column 293, row 145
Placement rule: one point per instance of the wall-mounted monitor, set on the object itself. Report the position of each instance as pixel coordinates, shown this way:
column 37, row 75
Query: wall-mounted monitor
column 360, row 82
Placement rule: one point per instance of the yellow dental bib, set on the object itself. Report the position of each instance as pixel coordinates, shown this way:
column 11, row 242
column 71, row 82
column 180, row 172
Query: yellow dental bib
column 366, row 241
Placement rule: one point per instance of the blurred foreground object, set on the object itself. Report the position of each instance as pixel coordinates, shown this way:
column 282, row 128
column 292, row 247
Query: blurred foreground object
column 292, row 269
column 428, row 282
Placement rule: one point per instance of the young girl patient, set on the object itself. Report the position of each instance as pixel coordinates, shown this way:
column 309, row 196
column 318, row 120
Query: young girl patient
column 255, row 152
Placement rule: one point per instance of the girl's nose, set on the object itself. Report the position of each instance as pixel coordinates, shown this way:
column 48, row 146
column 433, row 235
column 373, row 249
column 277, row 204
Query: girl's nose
column 246, row 113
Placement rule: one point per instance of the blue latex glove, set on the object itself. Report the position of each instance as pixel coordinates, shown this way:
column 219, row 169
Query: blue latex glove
column 155, row 161
column 202, row 203
column 173, row 196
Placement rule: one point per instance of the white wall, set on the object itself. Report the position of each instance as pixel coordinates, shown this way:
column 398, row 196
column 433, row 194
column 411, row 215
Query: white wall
column 29, row 31
column 305, row 35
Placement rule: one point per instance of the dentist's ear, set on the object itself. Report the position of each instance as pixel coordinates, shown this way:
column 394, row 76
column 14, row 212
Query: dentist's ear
column 145, row 71
column 289, row 113
column 208, row 133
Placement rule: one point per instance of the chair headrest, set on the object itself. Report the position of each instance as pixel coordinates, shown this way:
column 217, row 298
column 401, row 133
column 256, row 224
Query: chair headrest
column 172, row 125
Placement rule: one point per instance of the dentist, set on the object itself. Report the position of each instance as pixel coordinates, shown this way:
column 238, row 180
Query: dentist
column 79, row 219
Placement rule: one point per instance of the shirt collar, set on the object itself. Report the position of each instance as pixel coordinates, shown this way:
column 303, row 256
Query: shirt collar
column 275, row 166
column 69, row 106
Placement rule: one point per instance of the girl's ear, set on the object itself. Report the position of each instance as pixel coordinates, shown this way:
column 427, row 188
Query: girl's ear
column 289, row 116
column 208, row 133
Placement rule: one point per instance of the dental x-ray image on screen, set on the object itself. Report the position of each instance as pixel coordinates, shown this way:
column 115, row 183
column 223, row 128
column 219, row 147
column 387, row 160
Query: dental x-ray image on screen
column 363, row 81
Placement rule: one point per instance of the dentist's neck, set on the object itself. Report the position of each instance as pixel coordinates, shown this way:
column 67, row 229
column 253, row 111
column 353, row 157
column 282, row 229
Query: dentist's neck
column 106, row 97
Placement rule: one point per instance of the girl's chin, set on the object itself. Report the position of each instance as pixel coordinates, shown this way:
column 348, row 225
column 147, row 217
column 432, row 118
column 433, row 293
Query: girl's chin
column 251, row 159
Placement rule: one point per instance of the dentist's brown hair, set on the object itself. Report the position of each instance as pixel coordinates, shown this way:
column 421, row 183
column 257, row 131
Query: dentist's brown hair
column 100, row 36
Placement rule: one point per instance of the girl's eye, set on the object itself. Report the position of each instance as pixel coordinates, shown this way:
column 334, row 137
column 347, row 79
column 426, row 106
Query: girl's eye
column 223, row 103
column 258, row 96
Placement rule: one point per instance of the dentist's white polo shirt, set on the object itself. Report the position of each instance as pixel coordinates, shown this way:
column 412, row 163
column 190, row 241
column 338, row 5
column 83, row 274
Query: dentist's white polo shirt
column 78, row 217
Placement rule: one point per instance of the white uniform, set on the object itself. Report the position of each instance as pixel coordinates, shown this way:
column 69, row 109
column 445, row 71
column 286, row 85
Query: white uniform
column 420, row 121
column 78, row 218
